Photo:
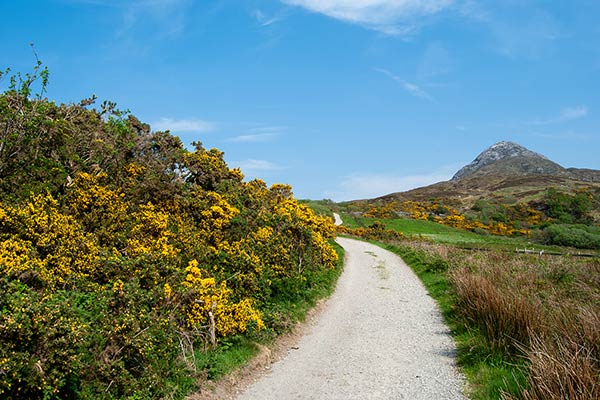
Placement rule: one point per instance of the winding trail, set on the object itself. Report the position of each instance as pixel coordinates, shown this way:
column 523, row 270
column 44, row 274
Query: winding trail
column 380, row 337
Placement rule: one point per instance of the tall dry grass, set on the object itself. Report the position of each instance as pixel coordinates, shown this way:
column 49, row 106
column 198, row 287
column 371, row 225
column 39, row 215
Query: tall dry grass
column 505, row 320
column 545, row 310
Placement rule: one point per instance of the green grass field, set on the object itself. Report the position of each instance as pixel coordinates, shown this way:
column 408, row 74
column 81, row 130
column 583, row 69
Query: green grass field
column 321, row 207
column 446, row 234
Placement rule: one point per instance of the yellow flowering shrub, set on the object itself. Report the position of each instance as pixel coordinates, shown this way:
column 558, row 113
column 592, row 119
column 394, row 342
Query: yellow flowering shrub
column 135, row 169
column 18, row 256
column 218, row 214
column 97, row 207
column 383, row 210
column 209, row 297
column 150, row 235
column 117, row 244
column 90, row 196
column 45, row 242
column 305, row 233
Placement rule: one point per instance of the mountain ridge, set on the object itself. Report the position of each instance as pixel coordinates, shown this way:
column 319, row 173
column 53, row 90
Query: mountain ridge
column 515, row 158
column 505, row 169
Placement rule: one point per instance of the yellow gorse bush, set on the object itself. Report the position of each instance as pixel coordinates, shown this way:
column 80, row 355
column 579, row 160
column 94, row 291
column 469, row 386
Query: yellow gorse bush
column 208, row 297
column 47, row 243
column 120, row 251
column 150, row 234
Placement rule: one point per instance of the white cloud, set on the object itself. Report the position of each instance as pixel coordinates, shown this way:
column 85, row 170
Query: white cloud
column 394, row 17
column 529, row 33
column 435, row 62
column 368, row 186
column 573, row 113
column 531, row 39
column 568, row 135
column 266, row 20
column 255, row 138
column 251, row 165
column 259, row 135
column 166, row 16
column 566, row 114
column 183, row 125
column 411, row 88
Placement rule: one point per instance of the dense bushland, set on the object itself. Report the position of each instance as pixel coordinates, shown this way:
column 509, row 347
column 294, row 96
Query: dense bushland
column 123, row 254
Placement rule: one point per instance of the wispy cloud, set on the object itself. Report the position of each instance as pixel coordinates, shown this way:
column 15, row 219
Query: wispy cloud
column 365, row 186
column 566, row 114
column 411, row 88
column 252, row 165
column 393, row 17
column 183, row 125
column 568, row 135
column 255, row 138
column 167, row 17
column 529, row 34
column 265, row 20
column 532, row 38
column 261, row 134
column 435, row 62
column 573, row 113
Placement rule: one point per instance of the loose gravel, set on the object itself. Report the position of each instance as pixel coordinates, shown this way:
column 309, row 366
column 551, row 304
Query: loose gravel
column 380, row 337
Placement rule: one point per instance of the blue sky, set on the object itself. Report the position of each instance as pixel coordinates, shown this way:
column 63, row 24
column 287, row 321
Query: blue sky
column 342, row 99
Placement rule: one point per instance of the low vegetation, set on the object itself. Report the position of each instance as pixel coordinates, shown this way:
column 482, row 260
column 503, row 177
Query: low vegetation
column 130, row 266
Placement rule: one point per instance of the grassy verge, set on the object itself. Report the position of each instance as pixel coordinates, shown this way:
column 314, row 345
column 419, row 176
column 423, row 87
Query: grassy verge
column 233, row 352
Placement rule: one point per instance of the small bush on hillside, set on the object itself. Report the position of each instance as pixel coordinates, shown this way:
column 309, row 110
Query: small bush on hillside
column 579, row 236
column 569, row 209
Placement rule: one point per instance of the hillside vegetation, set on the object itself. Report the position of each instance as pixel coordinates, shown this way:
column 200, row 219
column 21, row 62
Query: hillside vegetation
column 125, row 258
column 552, row 217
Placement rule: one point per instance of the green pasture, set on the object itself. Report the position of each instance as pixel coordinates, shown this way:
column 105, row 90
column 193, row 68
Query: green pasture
column 443, row 234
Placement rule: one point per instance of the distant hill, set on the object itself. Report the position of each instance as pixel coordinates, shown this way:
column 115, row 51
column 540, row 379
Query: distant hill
column 512, row 159
column 506, row 170
column 508, row 158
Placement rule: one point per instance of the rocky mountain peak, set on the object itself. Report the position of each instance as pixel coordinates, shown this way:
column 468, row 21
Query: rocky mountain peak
column 525, row 161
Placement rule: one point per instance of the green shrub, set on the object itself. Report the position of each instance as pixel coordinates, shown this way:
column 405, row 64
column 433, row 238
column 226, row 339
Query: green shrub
column 579, row 236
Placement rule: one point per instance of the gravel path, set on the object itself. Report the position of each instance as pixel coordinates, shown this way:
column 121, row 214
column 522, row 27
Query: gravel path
column 337, row 219
column 380, row 337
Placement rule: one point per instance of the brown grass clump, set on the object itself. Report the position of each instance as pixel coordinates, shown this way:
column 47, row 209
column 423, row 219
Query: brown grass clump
column 561, row 369
column 543, row 310
column 505, row 318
